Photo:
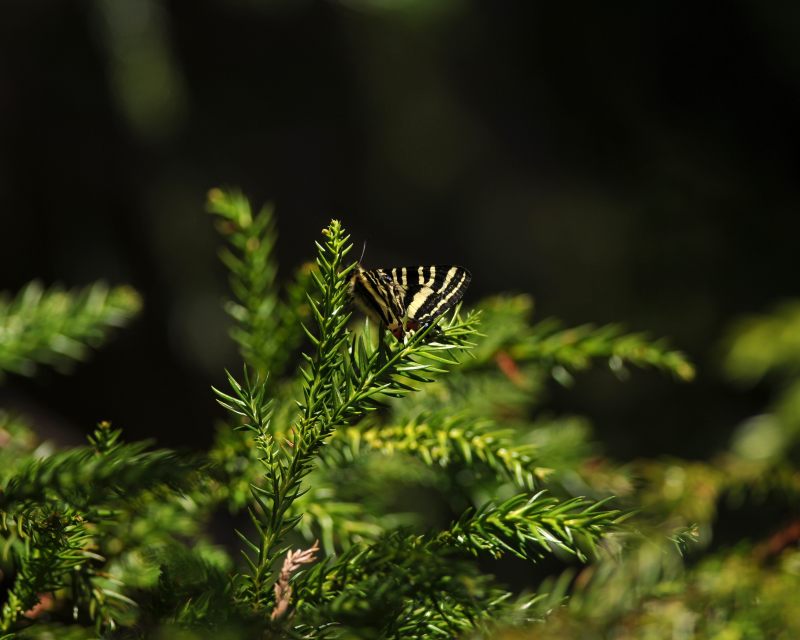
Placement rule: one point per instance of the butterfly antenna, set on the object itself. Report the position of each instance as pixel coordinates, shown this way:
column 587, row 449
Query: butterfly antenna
column 363, row 251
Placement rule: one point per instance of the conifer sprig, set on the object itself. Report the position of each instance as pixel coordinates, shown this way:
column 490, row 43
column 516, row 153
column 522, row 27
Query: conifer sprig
column 82, row 478
column 266, row 328
column 422, row 586
column 249, row 402
column 268, row 508
column 443, row 440
column 286, row 467
column 369, row 588
column 575, row 348
column 414, row 586
column 533, row 527
column 562, row 350
column 56, row 327
column 55, row 544
column 765, row 343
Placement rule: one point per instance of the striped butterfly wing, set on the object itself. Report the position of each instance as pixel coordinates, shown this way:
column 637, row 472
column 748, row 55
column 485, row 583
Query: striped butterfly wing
column 431, row 291
column 407, row 298
column 378, row 295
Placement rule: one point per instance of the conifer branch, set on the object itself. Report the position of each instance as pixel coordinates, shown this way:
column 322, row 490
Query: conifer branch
column 267, row 328
column 194, row 590
column 568, row 349
column 574, row 348
column 764, row 343
column 56, row 327
column 82, row 478
column 249, row 401
column 359, row 374
column 285, row 470
column 443, row 439
column 375, row 577
column 368, row 587
column 56, row 544
column 532, row 527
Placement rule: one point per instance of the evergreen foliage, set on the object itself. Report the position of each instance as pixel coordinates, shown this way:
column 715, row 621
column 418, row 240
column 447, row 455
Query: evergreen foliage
column 376, row 482
column 53, row 326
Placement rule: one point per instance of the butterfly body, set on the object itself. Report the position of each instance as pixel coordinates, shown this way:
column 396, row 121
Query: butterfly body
column 405, row 299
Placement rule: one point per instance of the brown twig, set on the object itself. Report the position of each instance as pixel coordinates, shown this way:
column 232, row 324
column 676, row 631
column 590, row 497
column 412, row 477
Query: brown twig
column 778, row 541
column 509, row 367
column 283, row 591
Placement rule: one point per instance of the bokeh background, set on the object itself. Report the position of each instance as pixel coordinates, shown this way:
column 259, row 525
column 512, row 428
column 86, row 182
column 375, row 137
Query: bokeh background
column 621, row 162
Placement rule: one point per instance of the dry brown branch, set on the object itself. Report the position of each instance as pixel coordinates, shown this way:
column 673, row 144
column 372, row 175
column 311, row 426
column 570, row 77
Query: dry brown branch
column 293, row 561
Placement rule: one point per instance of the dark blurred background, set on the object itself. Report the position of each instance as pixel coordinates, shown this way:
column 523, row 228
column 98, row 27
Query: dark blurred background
column 632, row 162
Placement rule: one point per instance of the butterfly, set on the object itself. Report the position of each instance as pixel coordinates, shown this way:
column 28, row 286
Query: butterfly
column 405, row 299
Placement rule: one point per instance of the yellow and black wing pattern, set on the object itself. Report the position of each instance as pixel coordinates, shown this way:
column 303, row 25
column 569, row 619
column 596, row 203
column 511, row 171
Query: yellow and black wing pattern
column 405, row 299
